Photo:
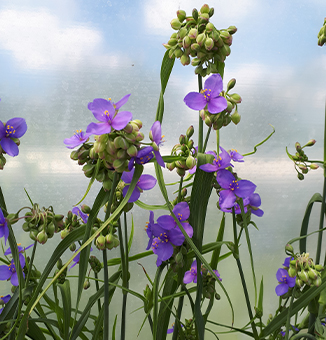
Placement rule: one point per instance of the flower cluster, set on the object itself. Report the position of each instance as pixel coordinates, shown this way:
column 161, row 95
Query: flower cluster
column 166, row 234
column 198, row 38
column 322, row 35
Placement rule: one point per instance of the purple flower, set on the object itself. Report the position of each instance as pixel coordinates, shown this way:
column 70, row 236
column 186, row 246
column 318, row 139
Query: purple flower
column 233, row 188
column 282, row 333
column 182, row 212
column 285, row 282
column 156, row 137
column 4, row 300
column 108, row 116
column 78, row 212
column 287, row 261
column 14, row 128
column 171, row 330
column 209, row 96
column 77, row 259
column 145, row 182
column 191, row 275
column 235, row 156
column 217, row 274
column 20, row 249
column 144, row 155
column 78, row 138
column 254, row 203
column 152, row 229
column 9, row 271
column 220, row 162
column 4, row 231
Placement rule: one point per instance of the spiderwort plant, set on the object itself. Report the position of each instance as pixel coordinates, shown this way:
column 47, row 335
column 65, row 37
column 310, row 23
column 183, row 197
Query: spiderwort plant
column 77, row 139
column 4, row 231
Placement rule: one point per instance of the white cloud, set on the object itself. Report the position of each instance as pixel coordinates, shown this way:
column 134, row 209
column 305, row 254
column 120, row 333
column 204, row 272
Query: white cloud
column 40, row 40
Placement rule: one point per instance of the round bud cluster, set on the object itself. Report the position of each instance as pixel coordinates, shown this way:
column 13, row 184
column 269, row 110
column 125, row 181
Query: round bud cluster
column 114, row 150
column 117, row 199
column 107, row 238
column 197, row 38
column 185, row 149
column 224, row 118
column 322, row 35
column 42, row 223
column 306, row 272
column 301, row 160
column 208, row 284
column 189, row 330
column 95, row 264
column 62, row 277
column 179, row 258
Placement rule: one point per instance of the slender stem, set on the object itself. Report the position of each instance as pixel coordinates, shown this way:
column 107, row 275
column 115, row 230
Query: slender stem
column 180, row 188
column 289, row 316
column 321, row 224
column 200, row 122
column 150, row 321
column 30, row 264
column 97, row 289
column 106, row 297
column 155, row 299
column 217, row 142
column 178, row 316
column 206, row 139
column 3, row 203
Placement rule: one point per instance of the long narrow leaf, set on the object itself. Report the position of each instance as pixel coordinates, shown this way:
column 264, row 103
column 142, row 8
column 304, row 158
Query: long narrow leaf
column 66, row 300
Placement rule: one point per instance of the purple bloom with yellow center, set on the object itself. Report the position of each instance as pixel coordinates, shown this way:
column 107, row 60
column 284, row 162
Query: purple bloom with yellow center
column 9, row 271
column 78, row 138
column 221, row 161
column 78, row 212
column 232, row 188
column 21, row 249
column 152, row 229
column 209, row 95
column 144, row 155
column 253, row 201
column 285, row 282
column 4, row 300
column 171, row 330
column 182, row 213
column 4, row 231
column 145, row 182
column 191, row 275
column 13, row 128
column 235, row 156
column 108, row 116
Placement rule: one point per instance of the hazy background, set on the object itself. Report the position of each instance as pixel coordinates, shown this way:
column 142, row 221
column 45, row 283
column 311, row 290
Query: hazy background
column 56, row 56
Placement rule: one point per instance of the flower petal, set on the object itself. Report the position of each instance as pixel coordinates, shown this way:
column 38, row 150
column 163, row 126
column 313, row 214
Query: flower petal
column 121, row 119
column 127, row 176
column 217, row 105
column 188, row 277
column 224, row 178
column 195, row 100
column 9, row 146
column 281, row 289
column 5, row 272
column 182, row 211
column 227, row 199
column 98, row 128
column 98, row 107
column 122, row 101
column 166, row 221
column 146, row 182
column 164, row 250
column 159, row 159
column 188, row 228
column 245, row 188
column 176, row 237
column 19, row 125
column 134, row 195
column 14, row 279
column 156, row 132
column 214, row 83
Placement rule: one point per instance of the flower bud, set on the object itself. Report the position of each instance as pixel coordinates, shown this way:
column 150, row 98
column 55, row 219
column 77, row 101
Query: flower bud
column 231, row 84
column 100, row 242
column 319, row 267
column 132, row 151
column 311, row 142
column 193, row 33
column 235, row 98
column 172, row 42
column 209, row 44
column 312, row 274
column 181, row 15
column 190, row 131
column 72, row 247
column 209, row 27
column 235, row 117
column 186, row 42
column 232, row 29
column 303, row 275
column 317, row 282
column 292, row 271
column 300, row 176
column 87, row 284
column 204, row 9
column 299, row 283
column 42, row 237
column 195, row 14
column 190, row 162
column 314, row 166
column 170, row 166
column 175, row 24
column 195, row 61
column 181, row 172
column 182, row 139
column 201, row 39
column 288, row 248
column 185, row 60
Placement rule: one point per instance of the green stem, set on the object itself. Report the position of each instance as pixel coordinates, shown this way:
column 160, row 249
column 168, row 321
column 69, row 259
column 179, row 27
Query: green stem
column 217, row 142
column 289, row 316
column 180, row 188
column 30, row 264
column 97, row 289
column 178, row 316
column 321, row 224
column 106, row 298
column 155, row 299
column 206, row 139
column 3, row 203
column 200, row 122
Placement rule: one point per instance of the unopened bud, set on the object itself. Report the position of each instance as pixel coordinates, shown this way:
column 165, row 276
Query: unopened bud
column 292, row 271
column 204, row 9
column 201, row 39
column 231, row 84
column 190, row 131
column 299, row 283
column 100, row 242
column 190, row 162
column 42, row 237
column 235, row 117
column 170, row 166
column 72, row 247
column 235, row 98
column 303, row 275
column 195, row 14
column 175, row 24
column 300, row 176
column 186, row 42
column 317, row 282
column 193, row 33
column 289, row 248
column 87, row 284
column 209, row 44
column 181, row 15
column 297, row 146
column 311, row 142
column 232, row 29
column 185, row 59
column 314, row 166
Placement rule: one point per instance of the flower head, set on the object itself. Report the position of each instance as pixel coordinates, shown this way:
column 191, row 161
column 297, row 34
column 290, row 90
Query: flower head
column 4, row 300
column 152, row 229
column 191, row 275
column 209, row 96
column 13, row 128
column 77, row 259
column 285, row 282
column 144, row 155
column 78, row 212
column 171, row 330
column 4, row 231
column 145, row 182
column 235, row 156
column 108, row 116
column 21, row 249
column 232, row 188
column 220, row 162
column 156, row 137
column 78, row 138
column 9, row 271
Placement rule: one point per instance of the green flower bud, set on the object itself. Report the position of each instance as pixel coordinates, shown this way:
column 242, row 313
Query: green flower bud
column 231, row 84
column 64, row 233
column 42, row 237
column 190, row 131
column 190, row 162
column 87, row 284
column 319, row 267
column 289, row 248
column 195, row 14
column 186, row 42
column 181, row 172
column 292, row 271
column 232, row 29
column 181, row 15
column 128, row 128
column 204, row 18
column 26, row 226
column 211, row 12
column 193, row 33
column 122, row 154
column 317, row 282
column 300, row 176
column 299, row 283
column 311, row 142
column 172, row 42
column 209, row 27
column 209, row 44
column 201, row 39
column 184, row 193
column 178, row 53
column 88, row 170
column 72, row 247
column 303, row 275
column 50, row 229
column 235, row 117
column 137, row 122
column 204, row 9
column 225, row 50
column 175, row 24
column 139, row 137
column 132, row 151
column 170, row 166
column 312, row 274
column 314, row 166
column 185, row 60
column 100, row 242
column 235, row 98
column 99, row 147
column 195, row 62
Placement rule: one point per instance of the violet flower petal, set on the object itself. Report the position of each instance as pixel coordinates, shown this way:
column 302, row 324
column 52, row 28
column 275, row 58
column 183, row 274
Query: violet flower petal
column 146, row 182
column 166, row 221
column 19, row 125
column 122, row 101
column 121, row 119
column 245, row 188
column 181, row 211
column 9, row 146
column 195, row 100
column 99, row 107
column 98, row 128
column 227, row 199
column 216, row 105
column 215, row 84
